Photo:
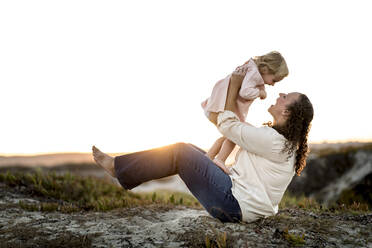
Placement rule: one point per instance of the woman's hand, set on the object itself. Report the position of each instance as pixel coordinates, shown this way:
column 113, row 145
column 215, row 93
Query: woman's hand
column 213, row 117
column 236, row 80
column 233, row 92
column 232, row 96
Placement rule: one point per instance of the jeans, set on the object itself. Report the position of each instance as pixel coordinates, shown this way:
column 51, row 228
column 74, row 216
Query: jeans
column 206, row 181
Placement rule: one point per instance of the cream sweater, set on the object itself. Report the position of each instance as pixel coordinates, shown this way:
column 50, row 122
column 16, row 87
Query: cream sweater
column 261, row 172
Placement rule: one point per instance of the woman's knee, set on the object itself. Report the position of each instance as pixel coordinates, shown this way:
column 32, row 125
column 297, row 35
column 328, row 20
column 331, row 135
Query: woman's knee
column 187, row 157
column 180, row 145
column 182, row 149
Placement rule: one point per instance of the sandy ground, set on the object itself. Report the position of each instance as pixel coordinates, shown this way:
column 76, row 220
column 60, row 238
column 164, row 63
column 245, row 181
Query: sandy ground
column 174, row 226
column 163, row 225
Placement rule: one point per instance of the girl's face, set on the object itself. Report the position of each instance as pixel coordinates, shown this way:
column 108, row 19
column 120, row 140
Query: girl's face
column 269, row 79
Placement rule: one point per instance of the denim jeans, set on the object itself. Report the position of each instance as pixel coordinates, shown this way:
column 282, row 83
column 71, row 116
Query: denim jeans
column 206, row 181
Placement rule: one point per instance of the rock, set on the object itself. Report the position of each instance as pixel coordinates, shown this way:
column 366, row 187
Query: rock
column 175, row 226
column 326, row 177
column 180, row 226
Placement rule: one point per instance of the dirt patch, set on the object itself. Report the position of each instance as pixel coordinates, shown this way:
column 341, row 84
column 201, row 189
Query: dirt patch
column 167, row 225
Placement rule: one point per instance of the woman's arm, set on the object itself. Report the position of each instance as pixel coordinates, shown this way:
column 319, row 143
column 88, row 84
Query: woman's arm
column 250, row 138
column 232, row 95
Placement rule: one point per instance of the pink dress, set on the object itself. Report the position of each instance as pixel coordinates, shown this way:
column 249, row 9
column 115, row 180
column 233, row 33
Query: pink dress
column 248, row 91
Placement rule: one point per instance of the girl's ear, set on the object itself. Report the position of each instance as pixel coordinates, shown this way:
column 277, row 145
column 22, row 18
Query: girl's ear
column 264, row 69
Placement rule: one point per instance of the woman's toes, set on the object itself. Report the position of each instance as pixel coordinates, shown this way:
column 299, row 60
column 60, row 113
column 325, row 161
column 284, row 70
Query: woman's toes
column 104, row 160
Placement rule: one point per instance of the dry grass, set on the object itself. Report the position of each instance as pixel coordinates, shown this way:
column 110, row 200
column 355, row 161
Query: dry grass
column 289, row 201
column 70, row 193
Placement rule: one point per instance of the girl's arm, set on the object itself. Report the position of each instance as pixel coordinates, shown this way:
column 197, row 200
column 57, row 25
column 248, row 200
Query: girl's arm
column 249, row 89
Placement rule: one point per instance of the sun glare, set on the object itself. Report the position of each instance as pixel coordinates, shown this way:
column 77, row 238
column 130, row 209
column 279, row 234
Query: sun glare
column 128, row 78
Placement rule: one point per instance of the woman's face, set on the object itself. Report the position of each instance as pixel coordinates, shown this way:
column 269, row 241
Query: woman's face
column 279, row 110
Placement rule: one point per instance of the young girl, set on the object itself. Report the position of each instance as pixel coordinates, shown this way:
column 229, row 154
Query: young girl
column 258, row 71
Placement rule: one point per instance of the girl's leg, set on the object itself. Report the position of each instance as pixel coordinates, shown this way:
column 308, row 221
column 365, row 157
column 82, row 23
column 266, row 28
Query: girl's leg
column 226, row 149
column 212, row 152
column 208, row 183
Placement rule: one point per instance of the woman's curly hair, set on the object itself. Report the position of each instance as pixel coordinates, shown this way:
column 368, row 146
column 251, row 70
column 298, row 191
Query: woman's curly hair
column 296, row 130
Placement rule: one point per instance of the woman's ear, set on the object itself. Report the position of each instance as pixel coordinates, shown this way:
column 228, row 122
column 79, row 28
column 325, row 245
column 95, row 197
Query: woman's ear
column 286, row 113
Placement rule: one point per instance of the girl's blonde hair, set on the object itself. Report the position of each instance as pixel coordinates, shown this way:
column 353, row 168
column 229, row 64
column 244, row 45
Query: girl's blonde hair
column 275, row 64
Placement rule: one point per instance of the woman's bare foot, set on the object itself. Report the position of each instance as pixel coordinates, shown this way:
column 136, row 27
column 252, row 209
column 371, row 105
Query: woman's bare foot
column 104, row 160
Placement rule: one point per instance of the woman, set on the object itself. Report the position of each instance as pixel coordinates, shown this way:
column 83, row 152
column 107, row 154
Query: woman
column 269, row 157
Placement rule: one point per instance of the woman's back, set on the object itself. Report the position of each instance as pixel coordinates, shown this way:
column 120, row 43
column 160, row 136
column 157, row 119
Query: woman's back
column 259, row 183
column 262, row 171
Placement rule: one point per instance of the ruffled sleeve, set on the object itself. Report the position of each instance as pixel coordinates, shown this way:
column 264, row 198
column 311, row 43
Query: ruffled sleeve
column 252, row 79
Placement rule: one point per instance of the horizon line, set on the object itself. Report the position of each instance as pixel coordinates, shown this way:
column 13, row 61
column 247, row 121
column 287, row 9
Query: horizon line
column 120, row 153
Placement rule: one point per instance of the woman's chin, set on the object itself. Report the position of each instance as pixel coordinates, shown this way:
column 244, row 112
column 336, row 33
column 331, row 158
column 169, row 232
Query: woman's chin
column 270, row 110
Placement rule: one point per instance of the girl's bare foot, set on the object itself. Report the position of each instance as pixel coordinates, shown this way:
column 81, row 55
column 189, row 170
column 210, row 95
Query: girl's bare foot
column 104, row 160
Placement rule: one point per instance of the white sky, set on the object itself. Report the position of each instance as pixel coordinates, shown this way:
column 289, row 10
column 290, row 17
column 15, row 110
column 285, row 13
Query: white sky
column 130, row 75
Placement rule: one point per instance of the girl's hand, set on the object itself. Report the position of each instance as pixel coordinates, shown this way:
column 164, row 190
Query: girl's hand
column 262, row 94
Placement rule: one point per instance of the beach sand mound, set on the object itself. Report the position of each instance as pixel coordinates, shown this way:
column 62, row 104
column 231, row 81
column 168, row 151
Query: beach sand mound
column 174, row 226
